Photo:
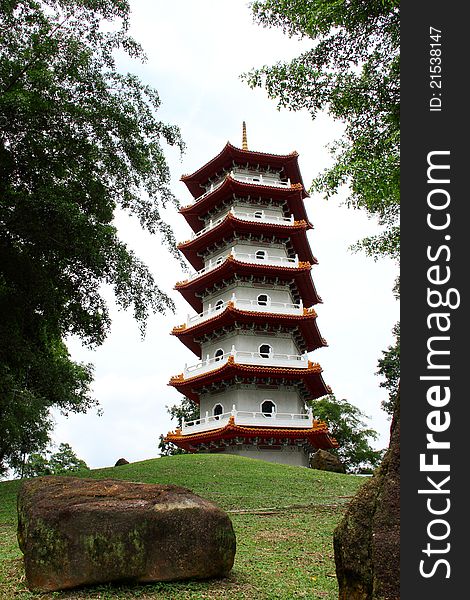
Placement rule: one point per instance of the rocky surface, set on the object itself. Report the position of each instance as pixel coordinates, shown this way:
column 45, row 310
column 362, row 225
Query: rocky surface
column 367, row 541
column 76, row 532
column 325, row 461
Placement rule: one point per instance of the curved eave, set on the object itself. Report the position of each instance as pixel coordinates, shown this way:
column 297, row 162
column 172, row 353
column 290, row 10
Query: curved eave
column 230, row 154
column 293, row 196
column 311, row 377
column 301, row 275
column 317, row 436
column 306, row 323
column 231, row 224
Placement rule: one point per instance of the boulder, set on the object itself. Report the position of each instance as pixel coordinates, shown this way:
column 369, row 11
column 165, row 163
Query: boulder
column 76, row 532
column 367, row 540
column 121, row 461
column 325, row 461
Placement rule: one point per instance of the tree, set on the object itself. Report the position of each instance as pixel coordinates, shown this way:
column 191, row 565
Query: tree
column 389, row 367
column 36, row 465
column 65, row 461
column 78, row 142
column 185, row 411
column 167, row 448
column 346, row 425
column 352, row 71
column 36, row 373
column 62, row 462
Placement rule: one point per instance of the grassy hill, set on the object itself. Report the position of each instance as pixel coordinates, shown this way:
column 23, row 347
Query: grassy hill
column 283, row 518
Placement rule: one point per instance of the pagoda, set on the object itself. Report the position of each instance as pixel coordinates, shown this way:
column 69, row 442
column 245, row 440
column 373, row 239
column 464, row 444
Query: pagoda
column 253, row 295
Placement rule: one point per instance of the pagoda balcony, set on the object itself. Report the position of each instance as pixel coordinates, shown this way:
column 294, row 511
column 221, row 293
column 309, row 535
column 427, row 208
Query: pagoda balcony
column 247, row 257
column 244, row 357
column 257, row 216
column 250, row 419
column 255, row 178
column 246, row 304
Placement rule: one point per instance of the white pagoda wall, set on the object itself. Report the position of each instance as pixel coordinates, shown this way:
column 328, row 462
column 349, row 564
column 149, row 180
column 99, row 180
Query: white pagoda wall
column 250, row 342
column 249, row 292
column 245, row 207
column 250, row 399
column 244, row 247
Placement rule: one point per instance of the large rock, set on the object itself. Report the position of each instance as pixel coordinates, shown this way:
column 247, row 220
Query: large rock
column 76, row 532
column 367, row 541
column 325, row 461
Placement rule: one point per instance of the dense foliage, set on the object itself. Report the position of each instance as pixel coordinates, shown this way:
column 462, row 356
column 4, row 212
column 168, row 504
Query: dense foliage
column 352, row 70
column 346, row 425
column 78, row 142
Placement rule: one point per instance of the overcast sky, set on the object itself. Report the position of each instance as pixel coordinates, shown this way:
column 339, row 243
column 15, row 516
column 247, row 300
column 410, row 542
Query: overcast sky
column 196, row 53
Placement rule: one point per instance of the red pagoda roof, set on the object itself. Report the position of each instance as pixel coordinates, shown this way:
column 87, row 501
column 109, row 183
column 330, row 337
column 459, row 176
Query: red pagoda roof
column 292, row 195
column 230, row 155
column 306, row 323
column 301, row 275
column 317, row 436
column 231, row 224
column 311, row 377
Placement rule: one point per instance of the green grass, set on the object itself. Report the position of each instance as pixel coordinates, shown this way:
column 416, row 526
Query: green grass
column 283, row 517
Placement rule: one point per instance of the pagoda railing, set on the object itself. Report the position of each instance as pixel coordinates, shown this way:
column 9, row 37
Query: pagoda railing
column 262, row 217
column 256, row 178
column 247, row 257
column 211, row 189
column 248, row 418
column 211, row 225
column 259, row 179
column 205, row 423
column 244, row 357
column 212, row 264
column 296, row 361
column 268, row 306
column 257, row 216
column 284, row 308
column 268, row 259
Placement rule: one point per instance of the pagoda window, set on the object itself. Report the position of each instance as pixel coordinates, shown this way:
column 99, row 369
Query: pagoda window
column 261, row 254
column 263, row 300
column 258, row 214
column 218, row 410
column 219, row 304
column 265, row 350
column 218, row 354
column 268, row 408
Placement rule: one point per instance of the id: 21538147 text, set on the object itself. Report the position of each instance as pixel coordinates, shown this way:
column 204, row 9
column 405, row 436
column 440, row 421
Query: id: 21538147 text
column 435, row 69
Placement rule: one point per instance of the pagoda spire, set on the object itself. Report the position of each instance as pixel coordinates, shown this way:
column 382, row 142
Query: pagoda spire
column 244, row 138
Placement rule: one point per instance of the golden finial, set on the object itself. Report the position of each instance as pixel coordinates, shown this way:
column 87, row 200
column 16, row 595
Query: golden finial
column 244, row 140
